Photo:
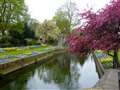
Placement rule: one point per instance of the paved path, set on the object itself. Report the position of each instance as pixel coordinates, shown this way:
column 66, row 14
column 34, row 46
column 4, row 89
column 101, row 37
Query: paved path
column 109, row 81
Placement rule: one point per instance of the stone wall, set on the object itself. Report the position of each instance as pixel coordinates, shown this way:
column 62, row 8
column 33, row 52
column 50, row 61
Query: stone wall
column 99, row 66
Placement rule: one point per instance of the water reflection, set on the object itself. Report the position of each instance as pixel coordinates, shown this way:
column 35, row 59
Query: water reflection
column 63, row 72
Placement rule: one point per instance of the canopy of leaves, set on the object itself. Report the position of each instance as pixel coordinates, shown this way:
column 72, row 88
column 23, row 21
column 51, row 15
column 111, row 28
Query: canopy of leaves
column 62, row 22
column 66, row 17
column 48, row 30
column 11, row 12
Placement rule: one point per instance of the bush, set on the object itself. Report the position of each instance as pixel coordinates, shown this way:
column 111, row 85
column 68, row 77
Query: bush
column 5, row 41
column 31, row 41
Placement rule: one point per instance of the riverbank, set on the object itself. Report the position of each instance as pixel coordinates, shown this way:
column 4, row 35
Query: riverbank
column 13, row 65
column 15, row 53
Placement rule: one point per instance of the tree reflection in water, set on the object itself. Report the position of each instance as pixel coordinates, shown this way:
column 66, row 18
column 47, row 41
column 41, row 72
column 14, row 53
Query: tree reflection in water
column 62, row 70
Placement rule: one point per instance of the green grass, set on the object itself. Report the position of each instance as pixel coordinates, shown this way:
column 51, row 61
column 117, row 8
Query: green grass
column 13, row 53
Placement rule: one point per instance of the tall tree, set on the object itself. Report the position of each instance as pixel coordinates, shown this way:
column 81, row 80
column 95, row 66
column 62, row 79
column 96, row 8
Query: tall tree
column 71, row 12
column 66, row 18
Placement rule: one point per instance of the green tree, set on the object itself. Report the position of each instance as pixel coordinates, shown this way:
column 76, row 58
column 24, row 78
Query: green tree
column 70, row 12
column 66, row 19
column 62, row 22
column 48, row 31
column 11, row 12
column 34, row 26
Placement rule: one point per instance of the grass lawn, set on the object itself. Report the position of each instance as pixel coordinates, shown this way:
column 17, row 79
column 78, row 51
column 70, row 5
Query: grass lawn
column 19, row 52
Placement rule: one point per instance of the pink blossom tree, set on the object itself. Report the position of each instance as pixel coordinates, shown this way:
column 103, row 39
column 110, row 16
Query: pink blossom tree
column 101, row 31
column 78, row 42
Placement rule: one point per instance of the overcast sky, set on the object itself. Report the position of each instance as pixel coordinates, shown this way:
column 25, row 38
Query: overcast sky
column 45, row 9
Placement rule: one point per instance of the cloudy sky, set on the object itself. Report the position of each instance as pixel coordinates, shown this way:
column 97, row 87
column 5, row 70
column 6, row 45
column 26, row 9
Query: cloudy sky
column 45, row 9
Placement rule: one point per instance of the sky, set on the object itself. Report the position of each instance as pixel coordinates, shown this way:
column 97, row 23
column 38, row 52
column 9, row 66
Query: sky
column 45, row 9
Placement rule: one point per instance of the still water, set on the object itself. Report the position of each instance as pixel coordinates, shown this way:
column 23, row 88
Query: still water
column 62, row 72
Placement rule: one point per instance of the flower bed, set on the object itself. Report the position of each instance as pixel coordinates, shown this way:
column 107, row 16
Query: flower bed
column 15, row 53
column 104, row 59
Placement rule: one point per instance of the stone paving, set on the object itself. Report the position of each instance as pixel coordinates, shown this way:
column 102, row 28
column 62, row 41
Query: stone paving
column 109, row 81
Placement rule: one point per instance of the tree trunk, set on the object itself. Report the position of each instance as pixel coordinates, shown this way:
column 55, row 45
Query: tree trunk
column 115, row 59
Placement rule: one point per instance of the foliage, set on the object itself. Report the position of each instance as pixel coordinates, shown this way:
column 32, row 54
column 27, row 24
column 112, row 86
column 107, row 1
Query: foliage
column 5, row 41
column 48, row 31
column 11, row 12
column 28, row 32
column 103, row 27
column 62, row 22
column 33, row 24
column 68, row 12
column 31, row 41
column 78, row 42
column 14, row 20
